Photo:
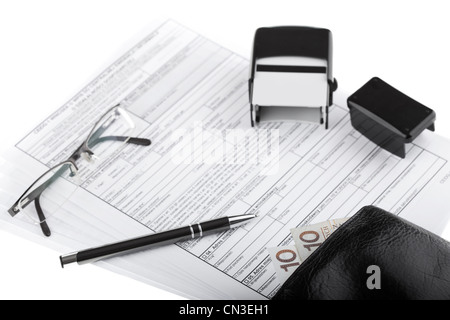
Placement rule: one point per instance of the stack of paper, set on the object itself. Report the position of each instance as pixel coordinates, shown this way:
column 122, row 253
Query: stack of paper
column 190, row 97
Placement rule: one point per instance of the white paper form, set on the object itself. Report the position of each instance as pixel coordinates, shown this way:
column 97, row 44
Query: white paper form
column 189, row 96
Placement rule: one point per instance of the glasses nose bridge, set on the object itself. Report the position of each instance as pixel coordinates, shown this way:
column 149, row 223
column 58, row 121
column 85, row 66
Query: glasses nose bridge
column 83, row 151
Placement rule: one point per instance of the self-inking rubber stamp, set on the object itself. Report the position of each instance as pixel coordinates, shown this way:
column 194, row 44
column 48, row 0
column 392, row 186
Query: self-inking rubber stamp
column 388, row 117
column 291, row 75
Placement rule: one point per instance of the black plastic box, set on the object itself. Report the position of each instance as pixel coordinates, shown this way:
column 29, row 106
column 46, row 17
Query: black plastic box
column 388, row 117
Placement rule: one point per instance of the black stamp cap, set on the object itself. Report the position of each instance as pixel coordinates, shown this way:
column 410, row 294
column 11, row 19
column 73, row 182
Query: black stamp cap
column 387, row 116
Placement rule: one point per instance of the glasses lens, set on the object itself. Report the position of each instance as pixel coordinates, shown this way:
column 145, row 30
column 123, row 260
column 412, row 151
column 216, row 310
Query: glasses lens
column 51, row 190
column 110, row 134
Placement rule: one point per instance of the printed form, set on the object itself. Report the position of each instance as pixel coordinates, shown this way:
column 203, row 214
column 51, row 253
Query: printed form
column 190, row 97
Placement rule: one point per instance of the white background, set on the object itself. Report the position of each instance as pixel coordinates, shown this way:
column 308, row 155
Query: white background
column 50, row 49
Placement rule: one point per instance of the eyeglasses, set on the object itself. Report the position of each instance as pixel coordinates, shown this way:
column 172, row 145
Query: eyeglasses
column 52, row 189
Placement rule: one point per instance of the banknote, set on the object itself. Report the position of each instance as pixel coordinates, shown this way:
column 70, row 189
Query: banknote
column 308, row 238
column 285, row 260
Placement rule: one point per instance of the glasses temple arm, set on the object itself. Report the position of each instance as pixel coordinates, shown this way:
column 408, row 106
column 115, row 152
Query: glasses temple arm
column 132, row 140
column 42, row 220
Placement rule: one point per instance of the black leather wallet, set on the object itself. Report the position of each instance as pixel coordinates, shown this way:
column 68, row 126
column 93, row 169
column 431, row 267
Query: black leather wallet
column 374, row 255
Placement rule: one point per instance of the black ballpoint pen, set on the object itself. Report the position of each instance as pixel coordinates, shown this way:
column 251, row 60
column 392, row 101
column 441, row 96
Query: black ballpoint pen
column 192, row 231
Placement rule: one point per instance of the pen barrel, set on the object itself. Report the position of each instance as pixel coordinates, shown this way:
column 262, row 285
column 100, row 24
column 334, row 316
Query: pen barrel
column 155, row 240
column 207, row 227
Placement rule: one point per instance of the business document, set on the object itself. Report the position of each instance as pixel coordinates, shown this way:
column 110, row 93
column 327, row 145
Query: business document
column 189, row 96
